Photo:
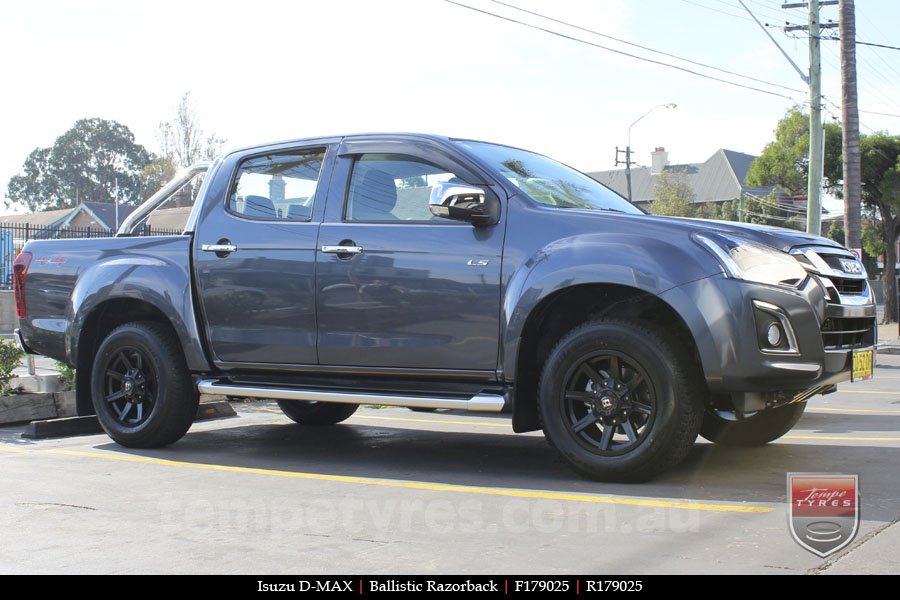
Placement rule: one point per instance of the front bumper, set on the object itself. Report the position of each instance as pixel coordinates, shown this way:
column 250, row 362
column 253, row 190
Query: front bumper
column 720, row 313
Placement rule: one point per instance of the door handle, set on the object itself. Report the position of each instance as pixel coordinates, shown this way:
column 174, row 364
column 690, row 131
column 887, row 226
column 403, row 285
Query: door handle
column 342, row 249
column 219, row 248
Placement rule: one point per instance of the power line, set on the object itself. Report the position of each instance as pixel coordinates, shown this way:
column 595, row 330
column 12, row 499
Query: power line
column 883, row 114
column 886, row 96
column 720, row 11
column 621, row 52
column 835, row 38
column 876, row 45
column 642, row 47
column 771, row 15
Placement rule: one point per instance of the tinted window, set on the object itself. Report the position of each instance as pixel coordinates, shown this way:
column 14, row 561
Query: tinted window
column 393, row 187
column 277, row 186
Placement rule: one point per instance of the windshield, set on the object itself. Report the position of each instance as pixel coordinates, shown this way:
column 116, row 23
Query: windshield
column 547, row 181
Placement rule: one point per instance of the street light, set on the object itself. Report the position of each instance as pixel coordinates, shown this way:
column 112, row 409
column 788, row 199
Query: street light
column 669, row 106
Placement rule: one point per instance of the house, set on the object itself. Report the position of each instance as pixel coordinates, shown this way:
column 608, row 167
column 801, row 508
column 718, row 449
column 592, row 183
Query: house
column 89, row 217
column 720, row 178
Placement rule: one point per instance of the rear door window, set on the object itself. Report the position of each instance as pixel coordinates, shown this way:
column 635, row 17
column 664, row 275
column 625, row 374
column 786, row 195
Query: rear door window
column 277, row 187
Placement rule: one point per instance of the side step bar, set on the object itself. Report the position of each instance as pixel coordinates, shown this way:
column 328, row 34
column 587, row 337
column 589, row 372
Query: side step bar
column 479, row 402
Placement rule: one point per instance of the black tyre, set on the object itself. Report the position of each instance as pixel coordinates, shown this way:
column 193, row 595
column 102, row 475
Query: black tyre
column 141, row 388
column 316, row 413
column 620, row 400
column 756, row 430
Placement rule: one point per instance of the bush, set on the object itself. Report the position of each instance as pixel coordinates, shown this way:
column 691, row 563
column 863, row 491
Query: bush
column 10, row 357
column 66, row 375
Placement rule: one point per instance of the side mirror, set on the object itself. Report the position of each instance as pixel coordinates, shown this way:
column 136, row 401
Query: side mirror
column 462, row 202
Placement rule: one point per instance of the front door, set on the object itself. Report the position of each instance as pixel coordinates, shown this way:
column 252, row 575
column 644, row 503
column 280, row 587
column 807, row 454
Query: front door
column 411, row 291
column 254, row 256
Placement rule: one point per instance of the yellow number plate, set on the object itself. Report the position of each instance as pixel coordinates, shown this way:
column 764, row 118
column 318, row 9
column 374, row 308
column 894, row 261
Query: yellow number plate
column 862, row 365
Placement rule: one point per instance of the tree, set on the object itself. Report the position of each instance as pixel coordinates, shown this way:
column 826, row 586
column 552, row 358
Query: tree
column 92, row 161
column 785, row 161
column 183, row 142
column 880, row 161
column 761, row 211
column 672, row 196
column 850, row 119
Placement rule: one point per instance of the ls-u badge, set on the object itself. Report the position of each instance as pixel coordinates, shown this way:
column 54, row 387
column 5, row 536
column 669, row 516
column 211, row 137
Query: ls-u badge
column 478, row 262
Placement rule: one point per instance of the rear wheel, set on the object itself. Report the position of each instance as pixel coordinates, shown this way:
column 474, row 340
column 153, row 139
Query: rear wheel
column 756, row 430
column 620, row 400
column 141, row 388
column 316, row 413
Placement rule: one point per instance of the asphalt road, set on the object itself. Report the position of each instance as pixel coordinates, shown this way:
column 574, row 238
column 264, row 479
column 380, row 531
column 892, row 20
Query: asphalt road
column 392, row 491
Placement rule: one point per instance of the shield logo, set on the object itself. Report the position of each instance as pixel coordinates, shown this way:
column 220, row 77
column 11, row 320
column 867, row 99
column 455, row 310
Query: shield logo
column 824, row 510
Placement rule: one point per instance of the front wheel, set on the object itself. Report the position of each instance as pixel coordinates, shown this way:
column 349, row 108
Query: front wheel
column 756, row 430
column 313, row 413
column 620, row 400
column 141, row 388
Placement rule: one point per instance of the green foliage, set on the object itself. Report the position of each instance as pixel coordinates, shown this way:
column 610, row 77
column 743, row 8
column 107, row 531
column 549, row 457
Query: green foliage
column 880, row 155
column 872, row 241
column 836, row 232
column 66, row 375
column 10, row 357
column 785, row 161
column 672, row 196
column 155, row 174
column 84, row 164
column 761, row 211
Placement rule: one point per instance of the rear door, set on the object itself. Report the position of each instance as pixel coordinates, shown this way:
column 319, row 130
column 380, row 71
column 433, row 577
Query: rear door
column 413, row 291
column 254, row 257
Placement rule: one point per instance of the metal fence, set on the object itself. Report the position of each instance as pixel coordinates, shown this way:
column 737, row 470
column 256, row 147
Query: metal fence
column 13, row 236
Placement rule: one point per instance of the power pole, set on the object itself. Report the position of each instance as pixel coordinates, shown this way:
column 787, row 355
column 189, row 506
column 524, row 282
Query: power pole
column 627, row 163
column 814, row 79
column 850, row 121
column 814, row 29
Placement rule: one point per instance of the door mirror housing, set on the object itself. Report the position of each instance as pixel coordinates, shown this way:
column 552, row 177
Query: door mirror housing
column 462, row 202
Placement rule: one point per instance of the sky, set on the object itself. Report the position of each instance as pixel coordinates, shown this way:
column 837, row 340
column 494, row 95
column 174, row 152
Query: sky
column 271, row 70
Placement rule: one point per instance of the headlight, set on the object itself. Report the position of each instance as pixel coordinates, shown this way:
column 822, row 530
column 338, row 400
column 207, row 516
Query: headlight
column 750, row 261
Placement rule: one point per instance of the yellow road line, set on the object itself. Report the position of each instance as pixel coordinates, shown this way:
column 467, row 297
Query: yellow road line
column 853, row 410
column 421, row 485
column 842, row 437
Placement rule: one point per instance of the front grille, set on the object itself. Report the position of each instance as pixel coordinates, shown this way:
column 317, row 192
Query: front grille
column 845, row 334
column 847, row 287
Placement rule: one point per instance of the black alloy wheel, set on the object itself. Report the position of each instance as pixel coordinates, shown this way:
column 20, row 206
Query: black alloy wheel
column 610, row 403
column 620, row 399
column 141, row 388
column 130, row 384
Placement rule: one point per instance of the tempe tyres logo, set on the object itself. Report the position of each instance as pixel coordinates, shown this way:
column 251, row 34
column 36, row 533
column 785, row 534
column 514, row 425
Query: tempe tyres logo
column 824, row 513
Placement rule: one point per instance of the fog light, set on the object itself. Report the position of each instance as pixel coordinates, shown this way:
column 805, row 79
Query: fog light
column 773, row 335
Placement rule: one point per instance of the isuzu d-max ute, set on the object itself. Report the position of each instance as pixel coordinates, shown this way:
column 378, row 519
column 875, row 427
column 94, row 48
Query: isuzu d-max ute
column 439, row 273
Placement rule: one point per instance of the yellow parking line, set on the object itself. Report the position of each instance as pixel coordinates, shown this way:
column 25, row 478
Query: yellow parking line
column 842, row 437
column 854, row 410
column 422, row 485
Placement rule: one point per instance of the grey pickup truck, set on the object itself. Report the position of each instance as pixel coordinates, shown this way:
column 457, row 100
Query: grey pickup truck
column 439, row 273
